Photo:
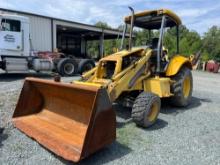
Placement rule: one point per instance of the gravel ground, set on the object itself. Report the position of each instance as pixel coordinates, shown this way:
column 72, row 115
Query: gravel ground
column 180, row 136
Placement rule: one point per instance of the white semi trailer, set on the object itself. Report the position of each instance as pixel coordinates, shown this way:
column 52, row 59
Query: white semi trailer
column 16, row 54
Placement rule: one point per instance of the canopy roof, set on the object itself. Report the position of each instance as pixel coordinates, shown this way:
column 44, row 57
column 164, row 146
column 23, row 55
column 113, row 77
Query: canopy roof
column 151, row 19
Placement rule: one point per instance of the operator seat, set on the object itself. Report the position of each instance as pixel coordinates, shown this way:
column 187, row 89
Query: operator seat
column 154, row 43
column 153, row 46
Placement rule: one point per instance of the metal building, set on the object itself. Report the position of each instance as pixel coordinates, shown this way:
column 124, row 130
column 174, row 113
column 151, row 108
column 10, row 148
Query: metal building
column 48, row 33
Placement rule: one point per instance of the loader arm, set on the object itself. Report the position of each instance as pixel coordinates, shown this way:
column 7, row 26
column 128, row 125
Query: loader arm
column 128, row 79
column 89, row 73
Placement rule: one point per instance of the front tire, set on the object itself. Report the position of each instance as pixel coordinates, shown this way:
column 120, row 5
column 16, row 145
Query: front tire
column 182, row 88
column 146, row 109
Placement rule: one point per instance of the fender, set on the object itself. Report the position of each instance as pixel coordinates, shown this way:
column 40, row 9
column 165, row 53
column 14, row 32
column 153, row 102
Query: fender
column 176, row 63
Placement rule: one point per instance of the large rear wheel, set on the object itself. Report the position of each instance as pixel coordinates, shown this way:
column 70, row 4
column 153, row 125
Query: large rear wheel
column 146, row 109
column 85, row 65
column 67, row 67
column 182, row 87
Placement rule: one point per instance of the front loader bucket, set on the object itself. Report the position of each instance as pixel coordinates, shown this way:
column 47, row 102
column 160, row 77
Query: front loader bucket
column 71, row 120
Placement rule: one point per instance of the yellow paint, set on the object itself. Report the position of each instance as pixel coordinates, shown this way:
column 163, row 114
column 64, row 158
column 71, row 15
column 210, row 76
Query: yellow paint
column 89, row 73
column 158, row 12
column 123, row 79
column 122, row 53
column 87, row 83
column 186, row 86
column 191, row 57
column 176, row 63
column 119, row 82
column 153, row 113
column 115, row 49
column 159, row 86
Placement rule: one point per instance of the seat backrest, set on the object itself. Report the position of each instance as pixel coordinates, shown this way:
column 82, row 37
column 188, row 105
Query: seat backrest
column 154, row 43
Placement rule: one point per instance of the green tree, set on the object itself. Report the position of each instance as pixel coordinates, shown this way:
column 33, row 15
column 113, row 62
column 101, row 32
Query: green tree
column 103, row 25
column 211, row 42
column 190, row 41
column 93, row 45
column 141, row 37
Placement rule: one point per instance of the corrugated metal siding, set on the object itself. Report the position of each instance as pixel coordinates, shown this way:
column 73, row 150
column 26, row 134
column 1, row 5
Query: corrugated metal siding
column 40, row 32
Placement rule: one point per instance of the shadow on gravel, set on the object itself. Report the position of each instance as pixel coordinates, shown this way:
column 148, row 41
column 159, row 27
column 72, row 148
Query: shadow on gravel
column 125, row 114
column 105, row 155
column 2, row 136
column 169, row 109
column 166, row 108
column 19, row 76
column 159, row 124
column 122, row 124
column 122, row 112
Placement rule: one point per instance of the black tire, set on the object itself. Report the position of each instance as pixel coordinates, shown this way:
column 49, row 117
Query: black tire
column 182, row 93
column 85, row 65
column 67, row 67
column 146, row 109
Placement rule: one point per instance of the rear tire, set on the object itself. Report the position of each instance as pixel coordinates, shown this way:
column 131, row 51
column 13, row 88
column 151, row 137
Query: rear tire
column 146, row 109
column 182, row 88
column 67, row 67
column 85, row 65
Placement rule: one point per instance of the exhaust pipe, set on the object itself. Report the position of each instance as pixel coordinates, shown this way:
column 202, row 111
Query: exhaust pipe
column 131, row 28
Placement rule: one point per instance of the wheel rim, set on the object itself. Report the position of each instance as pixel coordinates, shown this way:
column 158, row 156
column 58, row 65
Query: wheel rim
column 69, row 68
column 153, row 113
column 186, row 87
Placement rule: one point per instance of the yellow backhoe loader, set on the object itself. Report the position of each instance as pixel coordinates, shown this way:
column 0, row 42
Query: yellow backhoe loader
column 76, row 119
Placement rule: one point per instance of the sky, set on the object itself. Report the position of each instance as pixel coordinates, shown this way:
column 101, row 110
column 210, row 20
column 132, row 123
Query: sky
column 198, row 15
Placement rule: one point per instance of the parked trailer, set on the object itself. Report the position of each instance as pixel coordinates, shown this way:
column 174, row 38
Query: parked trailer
column 16, row 55
column 212, row 66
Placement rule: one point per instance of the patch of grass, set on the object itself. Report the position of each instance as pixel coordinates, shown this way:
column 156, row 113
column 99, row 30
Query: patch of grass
column 130, row 135
column 124, row 134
